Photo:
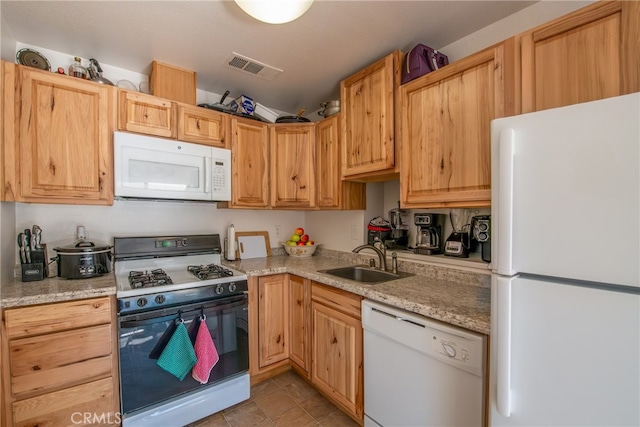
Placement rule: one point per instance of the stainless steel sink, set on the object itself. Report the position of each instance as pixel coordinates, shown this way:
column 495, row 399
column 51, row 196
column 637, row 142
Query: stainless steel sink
column 364, row 274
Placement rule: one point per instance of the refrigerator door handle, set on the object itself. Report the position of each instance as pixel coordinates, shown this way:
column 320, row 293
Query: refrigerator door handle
column 504, row 259
column 503, row 345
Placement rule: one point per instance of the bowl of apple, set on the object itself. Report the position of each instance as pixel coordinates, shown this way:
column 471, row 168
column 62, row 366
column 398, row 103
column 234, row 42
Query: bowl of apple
column 300, row 244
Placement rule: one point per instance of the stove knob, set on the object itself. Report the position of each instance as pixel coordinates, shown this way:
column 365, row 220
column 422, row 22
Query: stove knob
column 232, row 287
column 160, row 299
column 141, row 302
column 219, row 289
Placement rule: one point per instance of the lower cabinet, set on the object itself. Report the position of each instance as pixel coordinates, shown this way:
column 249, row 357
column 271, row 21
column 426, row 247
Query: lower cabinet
column 315, row 329
column 273, row 325
column 336, row 348
column 60, row 364
column 300, row 324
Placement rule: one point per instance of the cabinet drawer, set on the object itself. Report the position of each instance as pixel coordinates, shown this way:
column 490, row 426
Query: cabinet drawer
column 68, row 407
column 337, row 299
column 55, row 317
column 46, row 362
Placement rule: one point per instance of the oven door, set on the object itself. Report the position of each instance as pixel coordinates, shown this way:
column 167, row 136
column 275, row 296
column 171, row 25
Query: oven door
column 143, row 383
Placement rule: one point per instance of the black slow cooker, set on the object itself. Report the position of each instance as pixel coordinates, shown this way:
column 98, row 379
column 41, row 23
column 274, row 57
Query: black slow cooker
column 83, row 260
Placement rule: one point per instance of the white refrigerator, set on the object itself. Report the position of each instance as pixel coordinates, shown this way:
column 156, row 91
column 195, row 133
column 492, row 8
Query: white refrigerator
column 565, row 296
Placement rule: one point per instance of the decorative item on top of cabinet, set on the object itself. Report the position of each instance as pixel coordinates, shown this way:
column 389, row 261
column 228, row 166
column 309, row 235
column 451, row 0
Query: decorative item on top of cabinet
column 446, row 129
column 587, row 55
column 147, row 114
column 61, row 151
column 202, row 126
column 370, row 112
column 332, row 191
column 336, row 348
column 61, row 359
column 293, row 151
column 171, row 82
column 300, row 324
column 249, row 164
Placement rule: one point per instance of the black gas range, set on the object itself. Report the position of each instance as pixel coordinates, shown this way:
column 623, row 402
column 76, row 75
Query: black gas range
column 165, row 283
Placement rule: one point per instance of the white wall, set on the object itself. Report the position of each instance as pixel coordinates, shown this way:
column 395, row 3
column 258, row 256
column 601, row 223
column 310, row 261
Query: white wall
column 147, row 218
column 8, row 240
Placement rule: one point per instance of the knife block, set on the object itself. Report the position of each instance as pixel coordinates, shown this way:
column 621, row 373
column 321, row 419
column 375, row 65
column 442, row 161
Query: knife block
column 36, row 270
column 32, row 272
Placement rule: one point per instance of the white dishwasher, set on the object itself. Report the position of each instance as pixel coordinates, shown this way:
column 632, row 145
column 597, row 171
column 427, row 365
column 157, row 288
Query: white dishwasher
column 420, row 372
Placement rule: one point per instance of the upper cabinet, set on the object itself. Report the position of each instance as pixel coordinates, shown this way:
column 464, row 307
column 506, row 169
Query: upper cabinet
column 293, row 152
column 446, row 135
column 202, row 126
column 141, row 113
column 150, row 115
column 369, row 114
column 587, row 55
column 58, row 147
column 332, row 191
column 249, row 164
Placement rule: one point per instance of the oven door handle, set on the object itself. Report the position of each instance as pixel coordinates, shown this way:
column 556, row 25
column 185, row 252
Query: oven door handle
column 206, row 308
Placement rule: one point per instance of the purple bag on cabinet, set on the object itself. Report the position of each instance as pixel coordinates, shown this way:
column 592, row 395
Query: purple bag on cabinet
column 422, row 60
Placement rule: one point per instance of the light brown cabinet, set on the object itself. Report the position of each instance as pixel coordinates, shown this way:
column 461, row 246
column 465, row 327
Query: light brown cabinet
column 369, row 114
column 150, row 115
column 332, row 191
column 147, row 114
column 314, row 328
column 57, row 137
column 60, row 359
column 337, row 346
column 446, row 133
column 202, row 126
column 587, row 55
column 249, row 164
column 292, row 156
column 300, row 323
column 273, row 315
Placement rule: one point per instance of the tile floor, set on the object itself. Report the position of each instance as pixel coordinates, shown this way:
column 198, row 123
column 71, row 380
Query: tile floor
column 284, row 400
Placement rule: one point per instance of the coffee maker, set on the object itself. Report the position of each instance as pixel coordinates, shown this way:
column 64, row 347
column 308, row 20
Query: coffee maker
column 481, row 226
column 429, row 233
column 399, row 233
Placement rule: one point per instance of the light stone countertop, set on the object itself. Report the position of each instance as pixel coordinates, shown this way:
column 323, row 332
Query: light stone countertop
column 17, row 293
column 456, row 297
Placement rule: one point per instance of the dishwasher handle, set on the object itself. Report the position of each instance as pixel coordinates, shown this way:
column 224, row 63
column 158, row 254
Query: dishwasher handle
column 402, row 319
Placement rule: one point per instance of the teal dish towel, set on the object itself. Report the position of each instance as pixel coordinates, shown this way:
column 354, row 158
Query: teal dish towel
column 178, row 357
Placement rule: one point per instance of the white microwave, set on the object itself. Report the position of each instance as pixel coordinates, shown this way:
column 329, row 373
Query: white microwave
column 156, row 168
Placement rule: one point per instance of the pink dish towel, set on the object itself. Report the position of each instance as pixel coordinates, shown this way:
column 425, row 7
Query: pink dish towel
column 206, row 353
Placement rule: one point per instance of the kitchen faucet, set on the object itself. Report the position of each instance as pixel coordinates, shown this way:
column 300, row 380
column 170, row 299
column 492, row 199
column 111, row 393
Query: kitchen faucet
column 381, row 256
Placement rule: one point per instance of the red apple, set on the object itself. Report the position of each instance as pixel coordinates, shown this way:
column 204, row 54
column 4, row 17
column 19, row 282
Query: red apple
column 300, row 243
column 304, row 238
column 310, row 243
column 299, row 231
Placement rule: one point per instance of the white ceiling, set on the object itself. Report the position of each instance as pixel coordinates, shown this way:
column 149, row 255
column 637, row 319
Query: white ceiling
column 331, row 41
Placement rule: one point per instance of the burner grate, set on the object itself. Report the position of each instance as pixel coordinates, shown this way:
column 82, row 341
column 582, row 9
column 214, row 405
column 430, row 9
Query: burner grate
column 146, row 279
column 211, row 271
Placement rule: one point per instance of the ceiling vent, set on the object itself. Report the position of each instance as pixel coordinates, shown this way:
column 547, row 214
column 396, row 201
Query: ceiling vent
column 252, row 66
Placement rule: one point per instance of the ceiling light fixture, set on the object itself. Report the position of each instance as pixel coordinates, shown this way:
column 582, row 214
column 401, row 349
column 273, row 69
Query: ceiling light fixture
column 275, row 11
